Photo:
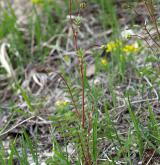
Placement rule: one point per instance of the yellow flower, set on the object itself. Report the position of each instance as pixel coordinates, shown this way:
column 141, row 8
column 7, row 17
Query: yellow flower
column 61, row 103
column 133, row 48
column 104, row 62
column 111, row 46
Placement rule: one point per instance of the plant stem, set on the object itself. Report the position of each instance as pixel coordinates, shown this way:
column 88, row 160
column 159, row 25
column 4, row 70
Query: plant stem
column 85, row 150
column 70, row 92
column 83, row 101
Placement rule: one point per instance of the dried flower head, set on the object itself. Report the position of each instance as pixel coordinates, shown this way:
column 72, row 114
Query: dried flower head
column 83, row 4
column 77, row 21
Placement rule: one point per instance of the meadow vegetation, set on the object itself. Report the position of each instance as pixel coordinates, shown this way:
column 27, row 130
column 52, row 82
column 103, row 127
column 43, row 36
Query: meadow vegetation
column 79, row 82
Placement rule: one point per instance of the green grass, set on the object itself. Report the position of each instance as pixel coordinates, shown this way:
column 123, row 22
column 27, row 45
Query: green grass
column 42, row 30
column 101, row 125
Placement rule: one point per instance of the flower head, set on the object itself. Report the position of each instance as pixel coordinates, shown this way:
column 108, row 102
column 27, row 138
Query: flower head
column 127, row 33
column 104, row 62
column 61, row 103
column 83, row 4
column 132, row 48
column 111, row 46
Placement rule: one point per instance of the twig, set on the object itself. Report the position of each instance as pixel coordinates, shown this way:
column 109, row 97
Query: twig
column 17, row 125
column 145, row 27
column 143, row 38
column 151, row 158
column 149, row 83
column 147, row 31
column 150, row 8
column 135, row 102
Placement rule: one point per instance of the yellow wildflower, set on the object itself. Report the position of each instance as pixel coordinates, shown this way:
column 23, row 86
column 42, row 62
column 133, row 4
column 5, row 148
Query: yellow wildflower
column 61, row 103
column 113, row 45
column 133, row 48
column 104, row 62
column 110, row 46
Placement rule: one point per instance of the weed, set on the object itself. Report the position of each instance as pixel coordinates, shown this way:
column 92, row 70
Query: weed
column 96, row 124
